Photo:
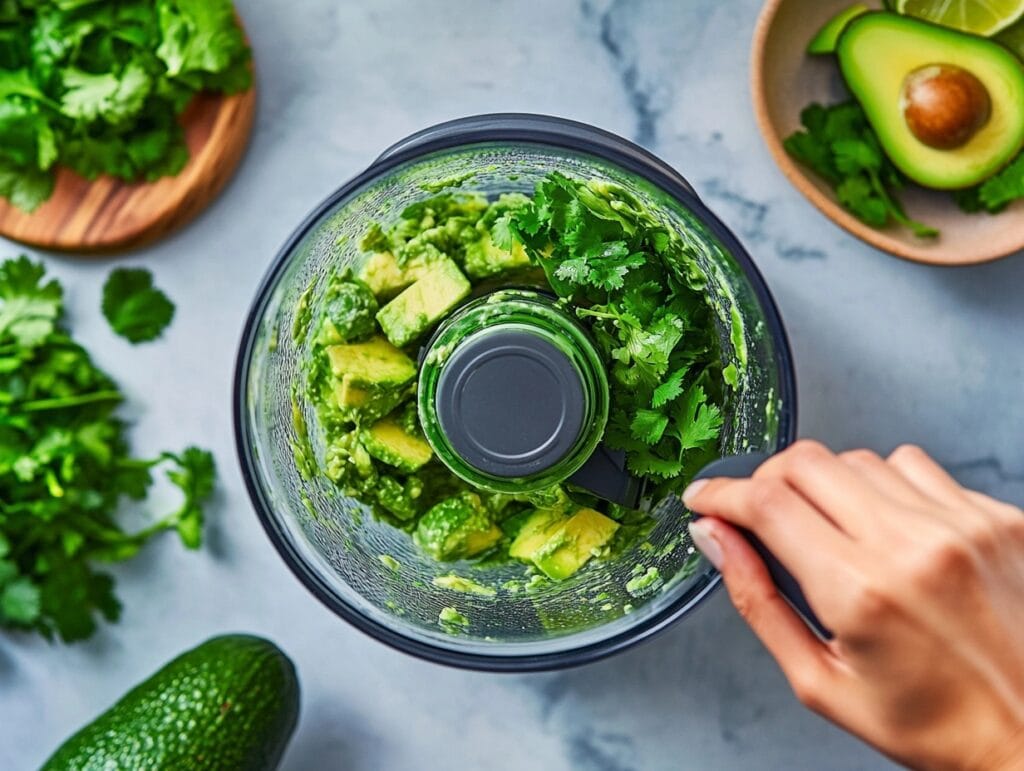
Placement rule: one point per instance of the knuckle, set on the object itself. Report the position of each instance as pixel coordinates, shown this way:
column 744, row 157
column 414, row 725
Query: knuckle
column 807, row 451
column 860, row 456
column 1015, row 525
column 907, row 452
column 941, row 561
column 868, row 606
column 985, row 536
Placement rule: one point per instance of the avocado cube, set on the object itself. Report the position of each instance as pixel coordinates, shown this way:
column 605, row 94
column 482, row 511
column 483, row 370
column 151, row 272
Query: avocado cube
column 368, row 403
column 424, row 303
column 393, row 497
column 375, row 363
column 349, row 397
column 485, row 258
column 571, row 545
column 386, row 278
column 456, row 528
column 388, row 442
column 537, row 529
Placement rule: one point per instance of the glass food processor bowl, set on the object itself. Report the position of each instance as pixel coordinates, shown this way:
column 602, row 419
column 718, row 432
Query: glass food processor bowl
column 335, row 546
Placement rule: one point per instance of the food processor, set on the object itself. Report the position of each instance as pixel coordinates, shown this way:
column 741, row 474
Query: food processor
column 512, row 396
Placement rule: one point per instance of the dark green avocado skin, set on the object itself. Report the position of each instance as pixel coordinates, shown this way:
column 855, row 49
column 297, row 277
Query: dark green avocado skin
column 230, row 704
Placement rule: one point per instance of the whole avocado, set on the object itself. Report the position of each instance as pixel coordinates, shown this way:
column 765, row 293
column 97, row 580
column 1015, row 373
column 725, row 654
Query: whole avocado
column 230, row 704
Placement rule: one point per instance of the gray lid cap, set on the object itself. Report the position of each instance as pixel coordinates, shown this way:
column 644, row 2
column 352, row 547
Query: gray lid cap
column 510, row 403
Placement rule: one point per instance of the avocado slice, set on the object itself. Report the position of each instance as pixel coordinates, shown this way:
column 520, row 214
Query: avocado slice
column 386, row 278
column 559, row 545
column 883, row 57
column 375, row 363
column 387, row 441
column 485, row 258
column 825, row 41
column 456, row 528
column 424, row 303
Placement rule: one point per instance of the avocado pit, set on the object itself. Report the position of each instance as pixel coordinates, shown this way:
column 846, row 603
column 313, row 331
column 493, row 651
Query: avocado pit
column 944, row 105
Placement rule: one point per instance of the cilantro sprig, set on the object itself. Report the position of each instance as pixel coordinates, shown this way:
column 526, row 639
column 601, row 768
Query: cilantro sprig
column 98, row 86
column 839, row 144
column 65, row 468
column 636, row 283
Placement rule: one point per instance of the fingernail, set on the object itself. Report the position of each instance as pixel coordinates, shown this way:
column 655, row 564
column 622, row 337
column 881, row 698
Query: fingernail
column 704, row 539
column 691, row 491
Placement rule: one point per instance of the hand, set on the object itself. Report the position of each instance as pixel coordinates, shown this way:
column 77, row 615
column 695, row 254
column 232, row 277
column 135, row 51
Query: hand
column 920, row 580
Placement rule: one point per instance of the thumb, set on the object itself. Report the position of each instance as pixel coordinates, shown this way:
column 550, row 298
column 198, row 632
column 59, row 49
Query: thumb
column 804, row 658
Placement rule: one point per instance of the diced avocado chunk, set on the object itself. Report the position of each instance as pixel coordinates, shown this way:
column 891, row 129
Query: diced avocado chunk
column 349, row 397
column 349, row 311
column 386, row 278
column 456, row 528
column 368, row 403
column 424, row 303
column 561, row 548
column 375, row 363
column 387, row 441
column 537, row 529
column 485, row 258
column 395, row 498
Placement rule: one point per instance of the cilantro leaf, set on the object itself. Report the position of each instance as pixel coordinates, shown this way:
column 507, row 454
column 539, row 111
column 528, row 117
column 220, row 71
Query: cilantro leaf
column 695, row 421
column 670, row 389
column 19, row 602
column 112, row 98
column 997, row 192
column 648, row 426
column 136, row 309
column 30, row 308
column 198, row 36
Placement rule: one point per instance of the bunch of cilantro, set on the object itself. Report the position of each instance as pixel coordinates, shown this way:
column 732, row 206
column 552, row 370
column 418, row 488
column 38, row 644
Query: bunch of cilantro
column 98, row 85
column 65, row 467
column 637, row 284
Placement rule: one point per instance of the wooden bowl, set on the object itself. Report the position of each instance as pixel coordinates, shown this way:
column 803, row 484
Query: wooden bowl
column 107, row 215
column 784, row 80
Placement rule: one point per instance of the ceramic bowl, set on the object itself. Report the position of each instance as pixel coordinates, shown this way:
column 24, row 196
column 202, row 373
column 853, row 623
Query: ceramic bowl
column 784, row 79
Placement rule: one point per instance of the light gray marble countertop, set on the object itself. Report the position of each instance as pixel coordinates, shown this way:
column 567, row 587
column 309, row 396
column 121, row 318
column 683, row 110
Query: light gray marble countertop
column 886, row 352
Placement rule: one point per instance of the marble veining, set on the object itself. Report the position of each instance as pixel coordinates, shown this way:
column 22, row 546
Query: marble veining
column 886, row 352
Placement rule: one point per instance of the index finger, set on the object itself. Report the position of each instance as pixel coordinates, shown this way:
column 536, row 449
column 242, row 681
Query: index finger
column 817, row 553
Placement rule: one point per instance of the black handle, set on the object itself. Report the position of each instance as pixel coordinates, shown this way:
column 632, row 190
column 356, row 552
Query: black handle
column 738, row 467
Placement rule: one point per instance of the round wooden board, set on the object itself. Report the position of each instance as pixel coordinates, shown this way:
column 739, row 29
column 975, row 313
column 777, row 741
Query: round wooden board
column 108, row 215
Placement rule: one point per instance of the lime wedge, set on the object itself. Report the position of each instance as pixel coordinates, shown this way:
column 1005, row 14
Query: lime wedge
column 981, row 17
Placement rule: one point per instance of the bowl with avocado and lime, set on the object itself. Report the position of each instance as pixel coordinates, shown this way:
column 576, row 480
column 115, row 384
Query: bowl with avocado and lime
column 476, row 379
column 903, row 120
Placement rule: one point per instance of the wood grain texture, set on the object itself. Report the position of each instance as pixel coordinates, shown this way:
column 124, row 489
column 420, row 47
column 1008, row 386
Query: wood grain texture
column 784, row 80
column 108, row 215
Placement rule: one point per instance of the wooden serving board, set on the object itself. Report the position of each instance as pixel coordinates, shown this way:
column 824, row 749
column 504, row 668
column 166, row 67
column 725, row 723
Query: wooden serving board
column 108, row 215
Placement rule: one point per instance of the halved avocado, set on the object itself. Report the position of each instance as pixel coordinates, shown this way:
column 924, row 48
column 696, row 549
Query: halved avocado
column 881, row 54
